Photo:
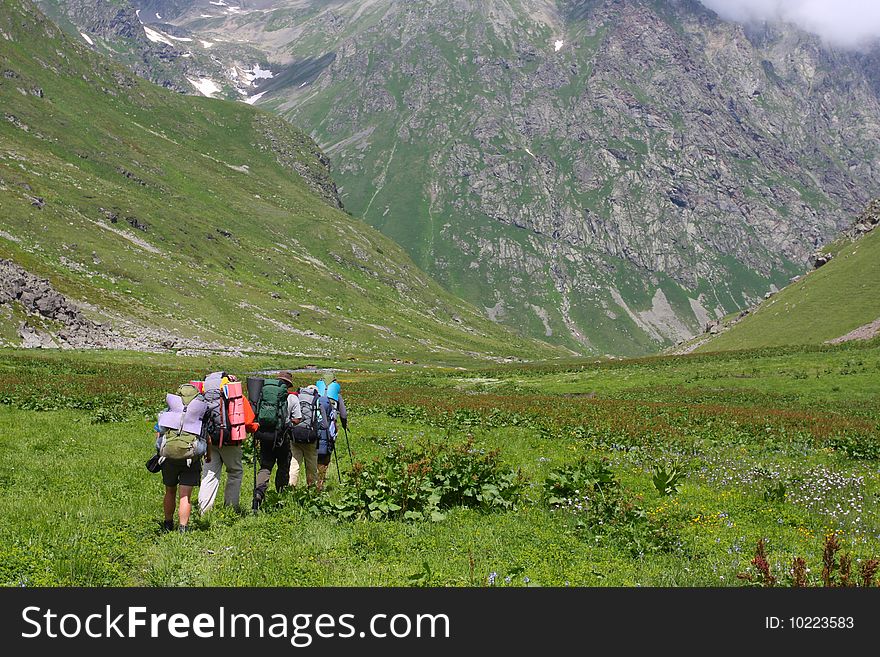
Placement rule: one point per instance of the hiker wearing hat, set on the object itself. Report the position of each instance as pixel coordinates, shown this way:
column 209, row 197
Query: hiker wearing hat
column 275, row 443
column 332, row 409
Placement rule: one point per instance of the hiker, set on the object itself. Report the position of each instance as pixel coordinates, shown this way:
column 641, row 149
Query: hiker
column 332, row 407
column 231, row 418
column 181, row 445
column 304, row 443
column 275, row 415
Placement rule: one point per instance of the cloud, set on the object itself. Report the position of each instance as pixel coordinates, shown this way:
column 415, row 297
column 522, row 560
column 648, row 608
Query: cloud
column 846, row 23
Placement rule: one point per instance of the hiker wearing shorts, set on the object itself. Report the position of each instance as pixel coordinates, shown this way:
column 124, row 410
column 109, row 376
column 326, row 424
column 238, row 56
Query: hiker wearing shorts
column 275, row 449
column 181, row 444
column 228, row 454
column 332, row 409
column 182, row 476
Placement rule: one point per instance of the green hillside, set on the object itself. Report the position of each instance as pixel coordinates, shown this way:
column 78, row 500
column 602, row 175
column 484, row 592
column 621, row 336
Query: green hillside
column 826, row 304
column 205, row 220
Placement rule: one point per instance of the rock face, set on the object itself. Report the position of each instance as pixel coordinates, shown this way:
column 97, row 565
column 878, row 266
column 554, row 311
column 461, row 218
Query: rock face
column 606, row 174
column 867, row 221
column 52, row 321
column 39, row 299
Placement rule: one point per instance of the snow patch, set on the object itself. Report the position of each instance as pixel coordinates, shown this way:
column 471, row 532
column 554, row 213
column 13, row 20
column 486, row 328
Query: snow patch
column 558, row 45
column 206, row 86
column 157, row 37
column 220, row 3
column 158, row 16
column 86, row 37
column 257, row 73
column 206, row 44
column 253, row 99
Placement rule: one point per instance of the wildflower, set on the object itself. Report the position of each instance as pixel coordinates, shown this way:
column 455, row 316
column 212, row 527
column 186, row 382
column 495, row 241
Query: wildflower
column 492, row 577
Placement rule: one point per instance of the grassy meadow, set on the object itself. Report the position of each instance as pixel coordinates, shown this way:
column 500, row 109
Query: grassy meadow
column 660, row 471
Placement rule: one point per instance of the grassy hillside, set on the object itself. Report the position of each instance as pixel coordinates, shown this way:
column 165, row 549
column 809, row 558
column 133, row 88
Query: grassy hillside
column 827, row 303
column 207, row 220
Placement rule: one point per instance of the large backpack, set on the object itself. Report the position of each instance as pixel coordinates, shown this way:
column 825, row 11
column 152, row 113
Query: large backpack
column 272, row 408
column 307, row 430
column 224, row 424
column 183, row 424
column 328, row 414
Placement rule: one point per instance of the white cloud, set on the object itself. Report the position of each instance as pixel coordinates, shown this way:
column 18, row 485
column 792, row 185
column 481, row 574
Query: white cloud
column 848, row 23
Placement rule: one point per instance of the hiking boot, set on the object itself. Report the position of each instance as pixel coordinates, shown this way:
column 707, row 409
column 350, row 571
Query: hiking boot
column 168, row 526
column 183, row 529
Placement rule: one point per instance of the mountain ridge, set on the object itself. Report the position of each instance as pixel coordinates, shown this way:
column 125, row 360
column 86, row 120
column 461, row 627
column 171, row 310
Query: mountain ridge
column 187, row 223
column 605, row 175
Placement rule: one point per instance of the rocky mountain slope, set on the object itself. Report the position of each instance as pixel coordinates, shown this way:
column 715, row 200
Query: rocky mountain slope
column 838, row 301
column 135, row 217
column 609, row 175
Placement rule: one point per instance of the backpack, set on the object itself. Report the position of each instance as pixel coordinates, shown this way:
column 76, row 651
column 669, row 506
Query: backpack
column 224, row 424
column 235, row 411
column 272, row 408
column 182, row 424
column 328, row 412
column 216, row 420
column 307, row 430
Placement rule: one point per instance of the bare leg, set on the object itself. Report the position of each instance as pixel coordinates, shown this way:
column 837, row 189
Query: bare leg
column 169, row 502
column 185, row 506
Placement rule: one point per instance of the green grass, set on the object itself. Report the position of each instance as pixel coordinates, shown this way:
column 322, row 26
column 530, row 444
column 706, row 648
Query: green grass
column 737, row 423
column 825, row 304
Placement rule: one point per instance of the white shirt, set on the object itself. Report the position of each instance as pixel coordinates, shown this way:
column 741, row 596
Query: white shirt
column 294, row 412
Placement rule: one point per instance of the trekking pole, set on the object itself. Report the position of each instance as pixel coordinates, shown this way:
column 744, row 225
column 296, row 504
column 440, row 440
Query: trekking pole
column 338, row 472
column 348, row 444
column 255, row 464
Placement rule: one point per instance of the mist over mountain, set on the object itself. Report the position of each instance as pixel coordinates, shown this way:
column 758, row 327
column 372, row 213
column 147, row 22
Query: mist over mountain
column 843, row 23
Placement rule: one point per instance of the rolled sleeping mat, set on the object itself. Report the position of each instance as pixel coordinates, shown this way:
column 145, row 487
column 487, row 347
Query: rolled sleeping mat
column 254, row 388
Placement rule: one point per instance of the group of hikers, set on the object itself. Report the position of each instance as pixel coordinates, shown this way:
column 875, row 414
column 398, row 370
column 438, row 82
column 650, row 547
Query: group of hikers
column 295, row 428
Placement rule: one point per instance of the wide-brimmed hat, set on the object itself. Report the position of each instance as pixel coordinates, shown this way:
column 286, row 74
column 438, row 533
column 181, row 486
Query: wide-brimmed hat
column 329, row 377
column 286, row 376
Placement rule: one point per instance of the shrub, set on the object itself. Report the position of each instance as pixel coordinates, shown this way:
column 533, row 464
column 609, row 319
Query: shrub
column 858, row 446
column 836, row 571
column 667, row 479
column 421, row 482
column 601, row 507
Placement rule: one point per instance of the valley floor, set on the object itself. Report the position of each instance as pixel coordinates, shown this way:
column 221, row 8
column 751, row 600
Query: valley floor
column 571, row 460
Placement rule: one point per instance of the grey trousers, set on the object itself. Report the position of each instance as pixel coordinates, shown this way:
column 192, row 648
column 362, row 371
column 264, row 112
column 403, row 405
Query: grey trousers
column 230, row 456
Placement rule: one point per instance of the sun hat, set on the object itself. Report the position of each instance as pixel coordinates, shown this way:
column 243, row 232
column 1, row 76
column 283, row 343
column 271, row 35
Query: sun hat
column 286, row 377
